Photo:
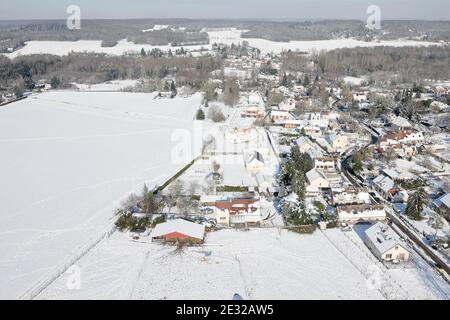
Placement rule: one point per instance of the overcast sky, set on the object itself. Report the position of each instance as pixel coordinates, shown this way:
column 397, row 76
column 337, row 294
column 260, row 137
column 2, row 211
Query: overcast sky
column 272, row 9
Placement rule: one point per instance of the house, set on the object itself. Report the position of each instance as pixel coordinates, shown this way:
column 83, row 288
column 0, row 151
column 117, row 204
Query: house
column 236, row 211
column 385, row 186
column 442, row 205
column 255, row 162
column 287, row 105
column 252, row 112
column 324, row 164
column 361, row 213
column 437, row 107
column 384, row 243
column 304, row 144
column 277, row 116
column 179, row 230
column 398, row 174
column 401, row 137
column 350, row 196
column 291, row 124
column 312, row 131
column 336, row 143
column 360, row 97
column 400, row 124
column 317, row 179
column 319, row 119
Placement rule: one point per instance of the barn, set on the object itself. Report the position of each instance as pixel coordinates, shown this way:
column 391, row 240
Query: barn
column 179, row 230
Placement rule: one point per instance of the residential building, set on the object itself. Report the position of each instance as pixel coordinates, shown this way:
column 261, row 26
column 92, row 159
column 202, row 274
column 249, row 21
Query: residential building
column 385, row 244
column 325, row 164
column 255, row 162
column 336, row 143
column 317, row 179
column 350, row 196
column 400, row 124
column 385, row 186
column 179, row 230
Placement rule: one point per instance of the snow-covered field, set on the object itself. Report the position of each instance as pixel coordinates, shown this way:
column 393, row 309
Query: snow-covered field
column 67, row 159
column 62, row 48
column 116, row 85
column 223, row 36
column 258, row 264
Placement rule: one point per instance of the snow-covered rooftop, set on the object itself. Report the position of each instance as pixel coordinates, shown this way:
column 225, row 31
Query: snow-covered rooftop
column 188, row 228
column 382, row 237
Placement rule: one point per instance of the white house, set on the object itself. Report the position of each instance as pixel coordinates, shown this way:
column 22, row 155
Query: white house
column 317, row 179
column 443, row 204
column 384, row 185
column 336, row 143
column 255, row 162
column 287, row 105
column 278, row 116
column 384, row 243
column 304, row 144
column 401, row 137
column 179, row 230
column 324, row 164
column 349, row 196
column 400, row 124
column 312, row 131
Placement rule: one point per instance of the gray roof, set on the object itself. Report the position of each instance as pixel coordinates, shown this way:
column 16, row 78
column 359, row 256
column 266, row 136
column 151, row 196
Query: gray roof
column 444, row 201
column 382, row 237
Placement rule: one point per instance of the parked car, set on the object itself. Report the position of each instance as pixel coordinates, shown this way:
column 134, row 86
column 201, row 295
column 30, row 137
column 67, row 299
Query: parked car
column 206, row 210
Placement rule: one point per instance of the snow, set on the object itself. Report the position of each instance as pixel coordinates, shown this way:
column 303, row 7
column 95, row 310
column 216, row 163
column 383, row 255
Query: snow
column 354, row 80
column 258, row 264
column 188, row 228
column 234, row 36
column 116, row 85
column 227, row 36
column 62, row 48
column 68, row 158
column 266, row 263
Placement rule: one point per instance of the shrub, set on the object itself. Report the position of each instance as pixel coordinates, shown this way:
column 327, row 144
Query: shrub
column 216, row 115
column 308, row 229
column 128, row 222
column 158, row 220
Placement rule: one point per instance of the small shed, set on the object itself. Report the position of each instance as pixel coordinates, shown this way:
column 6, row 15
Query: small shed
column 179, row 230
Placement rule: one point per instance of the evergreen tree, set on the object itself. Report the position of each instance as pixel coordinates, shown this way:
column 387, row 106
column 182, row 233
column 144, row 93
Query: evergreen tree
column 143, row 54
column 415, row 205
column 173, row 89
column 298, row 185
column 55, row 82
column 200, row 115
column 306, row 81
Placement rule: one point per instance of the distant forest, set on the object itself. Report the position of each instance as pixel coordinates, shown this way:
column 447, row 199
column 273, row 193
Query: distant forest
column 14, row 34
column 95, row 68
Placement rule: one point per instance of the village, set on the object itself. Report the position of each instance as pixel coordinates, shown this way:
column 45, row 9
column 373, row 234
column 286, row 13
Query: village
column 284, row 158
column 350, row 160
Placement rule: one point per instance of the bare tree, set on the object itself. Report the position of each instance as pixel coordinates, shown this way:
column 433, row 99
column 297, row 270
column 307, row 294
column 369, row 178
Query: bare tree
column 216, row 115
column 193, row 186
column 231, row 92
